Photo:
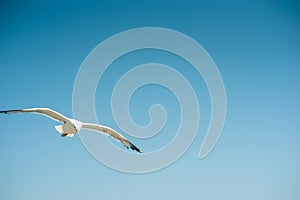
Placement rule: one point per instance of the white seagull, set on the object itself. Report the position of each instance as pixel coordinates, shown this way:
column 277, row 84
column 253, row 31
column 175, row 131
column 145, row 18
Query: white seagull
column 72, row 126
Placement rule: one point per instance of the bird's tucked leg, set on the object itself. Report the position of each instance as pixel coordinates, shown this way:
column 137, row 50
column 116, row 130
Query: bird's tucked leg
column 67, row 134
column 64, row 134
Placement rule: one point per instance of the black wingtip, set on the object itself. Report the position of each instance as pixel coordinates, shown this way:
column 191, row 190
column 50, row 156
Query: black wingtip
column 133, row 147
column 9, row 111
column 5, row 111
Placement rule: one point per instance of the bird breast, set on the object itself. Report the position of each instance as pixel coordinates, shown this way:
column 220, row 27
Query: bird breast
column 74, row 126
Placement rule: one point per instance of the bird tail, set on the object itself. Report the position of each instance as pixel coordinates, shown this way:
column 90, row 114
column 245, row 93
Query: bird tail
column 59, row 129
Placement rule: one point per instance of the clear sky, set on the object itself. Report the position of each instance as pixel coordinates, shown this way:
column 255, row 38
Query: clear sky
column 255, row 45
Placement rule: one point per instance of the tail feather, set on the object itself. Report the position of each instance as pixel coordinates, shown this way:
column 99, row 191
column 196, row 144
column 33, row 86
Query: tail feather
column 59, row 129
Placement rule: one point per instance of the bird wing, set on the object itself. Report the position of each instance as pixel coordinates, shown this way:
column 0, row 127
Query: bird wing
column 44, row 111
column 108, row 131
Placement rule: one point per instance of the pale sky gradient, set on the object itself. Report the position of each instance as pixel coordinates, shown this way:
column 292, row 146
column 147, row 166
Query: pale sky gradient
column 255, row 44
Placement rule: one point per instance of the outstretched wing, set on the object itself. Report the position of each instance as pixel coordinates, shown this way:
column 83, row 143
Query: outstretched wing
column 44, row 111
column 108, row 131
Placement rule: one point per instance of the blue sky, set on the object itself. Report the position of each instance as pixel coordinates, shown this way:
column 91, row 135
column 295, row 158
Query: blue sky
column 255, row 45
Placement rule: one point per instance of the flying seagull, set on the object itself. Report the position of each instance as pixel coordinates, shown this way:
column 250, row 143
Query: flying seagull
column 72, row 126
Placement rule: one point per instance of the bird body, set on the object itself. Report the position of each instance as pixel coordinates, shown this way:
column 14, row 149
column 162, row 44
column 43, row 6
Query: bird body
column 70, row 126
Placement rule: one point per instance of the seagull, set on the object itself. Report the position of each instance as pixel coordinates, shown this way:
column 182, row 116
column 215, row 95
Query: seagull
column 72, row 126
